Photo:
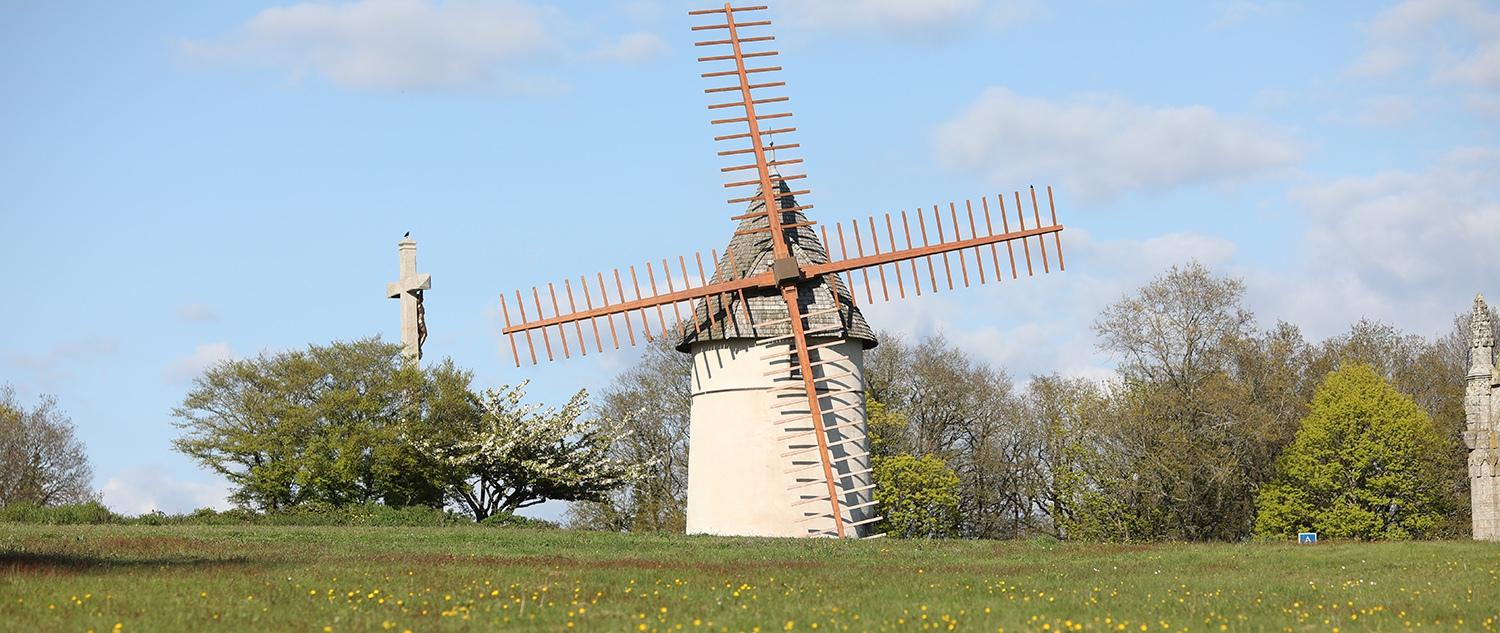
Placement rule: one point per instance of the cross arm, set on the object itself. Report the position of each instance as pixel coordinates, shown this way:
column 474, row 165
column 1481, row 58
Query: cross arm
column 394, row 290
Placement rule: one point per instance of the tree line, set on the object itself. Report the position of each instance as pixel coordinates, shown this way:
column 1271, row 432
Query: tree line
column 1213, row 428
column 1208, row 410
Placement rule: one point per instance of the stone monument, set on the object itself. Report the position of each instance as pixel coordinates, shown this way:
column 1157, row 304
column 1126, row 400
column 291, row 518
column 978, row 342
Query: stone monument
column 409, row 290
column 1482, row 404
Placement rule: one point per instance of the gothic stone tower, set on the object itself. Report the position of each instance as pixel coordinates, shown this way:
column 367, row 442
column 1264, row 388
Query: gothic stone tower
column 1482, row 404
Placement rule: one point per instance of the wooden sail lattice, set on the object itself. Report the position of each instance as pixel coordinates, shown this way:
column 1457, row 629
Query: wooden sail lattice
column 823, row 451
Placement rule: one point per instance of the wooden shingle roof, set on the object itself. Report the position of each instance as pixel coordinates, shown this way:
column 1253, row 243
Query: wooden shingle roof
column 766, row 316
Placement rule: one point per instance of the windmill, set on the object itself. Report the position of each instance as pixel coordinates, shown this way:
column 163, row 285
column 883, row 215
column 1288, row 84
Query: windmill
column 778, row 421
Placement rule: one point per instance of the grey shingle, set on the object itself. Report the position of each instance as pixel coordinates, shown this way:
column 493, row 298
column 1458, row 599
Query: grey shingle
column 752, row 254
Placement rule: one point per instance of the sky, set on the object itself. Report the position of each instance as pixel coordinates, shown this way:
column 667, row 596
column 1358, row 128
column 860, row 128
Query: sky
column 185, row 182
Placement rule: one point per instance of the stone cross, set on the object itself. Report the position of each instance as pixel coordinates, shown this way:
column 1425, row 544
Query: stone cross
column 409, row 290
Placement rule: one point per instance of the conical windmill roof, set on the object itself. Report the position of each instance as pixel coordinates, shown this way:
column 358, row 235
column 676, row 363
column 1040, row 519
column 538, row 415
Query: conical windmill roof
column 752, row 255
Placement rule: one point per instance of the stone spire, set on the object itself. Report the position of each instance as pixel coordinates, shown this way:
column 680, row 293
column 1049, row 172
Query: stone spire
column 1481, row 339
column 1481, row 434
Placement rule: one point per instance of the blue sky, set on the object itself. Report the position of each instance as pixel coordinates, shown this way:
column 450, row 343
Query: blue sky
column 182, row 182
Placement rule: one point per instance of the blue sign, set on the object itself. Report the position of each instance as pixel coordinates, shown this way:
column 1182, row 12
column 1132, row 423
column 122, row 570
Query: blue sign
column 1307, row 537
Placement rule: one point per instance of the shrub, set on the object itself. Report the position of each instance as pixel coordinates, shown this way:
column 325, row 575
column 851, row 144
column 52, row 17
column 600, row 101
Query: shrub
column 1359, row 466
column 509, row 520
column 918, row 497
column 91, row 513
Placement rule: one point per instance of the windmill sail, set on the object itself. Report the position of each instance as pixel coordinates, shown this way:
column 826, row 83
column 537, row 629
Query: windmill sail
column 778, row 285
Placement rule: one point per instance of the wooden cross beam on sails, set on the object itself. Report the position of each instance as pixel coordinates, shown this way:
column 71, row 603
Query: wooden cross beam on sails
column 965, row 238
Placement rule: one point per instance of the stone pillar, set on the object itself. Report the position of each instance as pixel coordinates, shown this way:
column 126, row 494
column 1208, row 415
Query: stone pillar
column 738, row 482
column 1481, row 434
column 409, row 290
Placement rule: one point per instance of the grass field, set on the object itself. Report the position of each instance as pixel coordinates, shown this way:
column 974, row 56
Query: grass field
column 180, row 578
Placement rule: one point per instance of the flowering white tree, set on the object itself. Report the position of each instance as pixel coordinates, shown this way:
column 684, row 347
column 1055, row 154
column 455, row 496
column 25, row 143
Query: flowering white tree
column 514, row 457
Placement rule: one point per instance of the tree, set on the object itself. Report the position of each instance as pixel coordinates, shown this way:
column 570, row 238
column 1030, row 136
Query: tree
column 653, row 399
column 1201, row 405
column 887, row 430
column 41, row 462
column 963, row 412
column 1359, row 466
column 513, row 457
column 1063, row 482
column 324, row 425
column 1432, row 373
column 918, row 496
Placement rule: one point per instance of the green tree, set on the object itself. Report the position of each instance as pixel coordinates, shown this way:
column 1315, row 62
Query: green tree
column 324, row 425
column 887, row 430
column 963, row 412
column 1432, row 373
column 41, row 461
column 1359, row 466
column 1063, row 480
column 918, row 497
column 1200, row 410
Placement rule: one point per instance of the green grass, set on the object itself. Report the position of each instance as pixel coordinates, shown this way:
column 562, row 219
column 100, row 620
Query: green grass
column 280, row 578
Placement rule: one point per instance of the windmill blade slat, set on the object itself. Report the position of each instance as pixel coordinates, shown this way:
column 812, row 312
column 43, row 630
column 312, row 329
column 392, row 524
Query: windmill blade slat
column 810, row 449
column 741, row 104
column 778, row 163
column 845, row 491
column 785, row 130
column 774, row 180
column 821, row 393
column 735, row 152
column 765, row 38
column 725, row 26
column 754, row 198
column 727, row 9
column 720, row 58
column 772, row 84
column 921, row 252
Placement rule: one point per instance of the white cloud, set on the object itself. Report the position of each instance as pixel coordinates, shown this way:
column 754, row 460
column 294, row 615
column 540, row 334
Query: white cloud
column 1233, row 13
column 1378, row 112
column 1487, row 105
column 1408, row 248
column 634, row 48
column 190, row 366
column 929, row 20
column 1103, row 146
column 1458, row 39
column 1386, row 111
column 1410, row 231
column 1269, row 99
column 144, row 488
column 467, row 45
column 197, row 312
column 643, row 10
column 1380, row 62
column 51, row 370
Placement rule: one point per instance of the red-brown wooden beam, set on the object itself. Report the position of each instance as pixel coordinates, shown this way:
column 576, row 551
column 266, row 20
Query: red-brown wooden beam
column 922, row 251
